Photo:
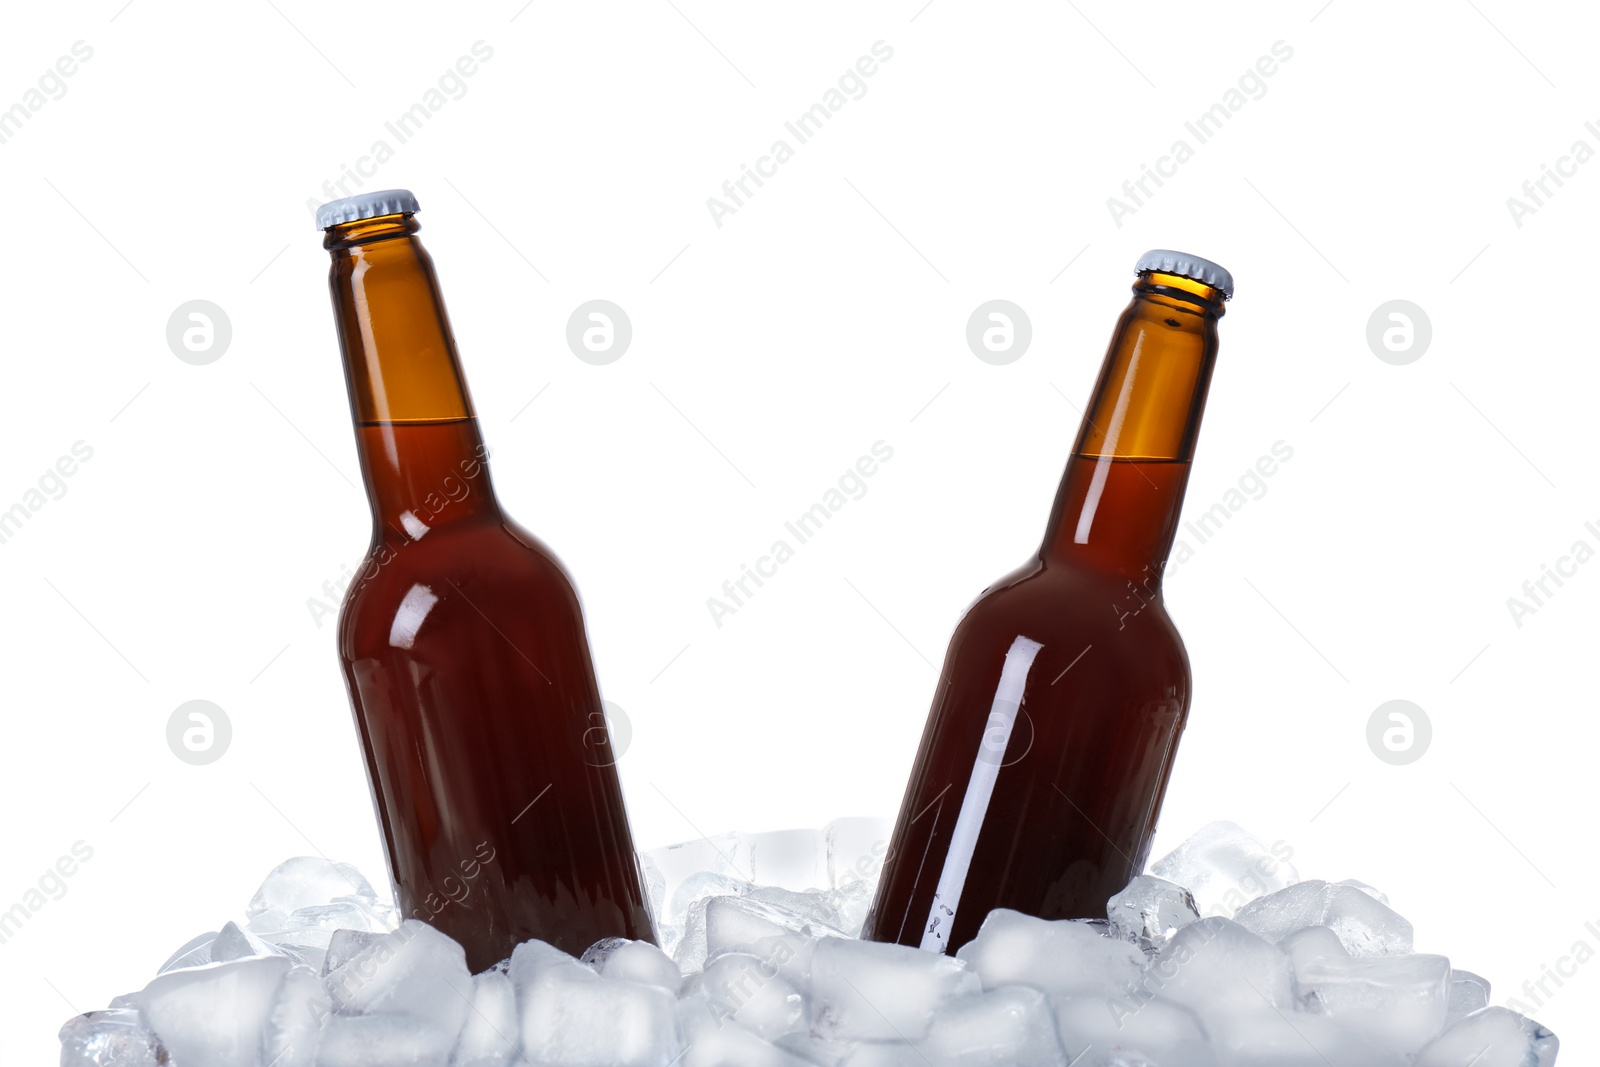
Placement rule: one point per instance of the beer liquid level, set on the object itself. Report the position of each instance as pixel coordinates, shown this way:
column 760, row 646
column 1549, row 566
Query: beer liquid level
column 463, row 645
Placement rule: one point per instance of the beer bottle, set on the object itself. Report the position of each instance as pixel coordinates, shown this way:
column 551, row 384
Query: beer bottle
column 1066, row 686
column 462, row 639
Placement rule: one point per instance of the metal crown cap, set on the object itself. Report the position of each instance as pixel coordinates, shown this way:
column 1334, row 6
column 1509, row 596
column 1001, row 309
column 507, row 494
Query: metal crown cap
column 1184, row 265
column 370, row 206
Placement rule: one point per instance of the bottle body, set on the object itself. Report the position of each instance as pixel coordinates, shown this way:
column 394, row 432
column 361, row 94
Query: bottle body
column 1043, row 763
column 464, row 650
column 1065, row 687
column 469, row 672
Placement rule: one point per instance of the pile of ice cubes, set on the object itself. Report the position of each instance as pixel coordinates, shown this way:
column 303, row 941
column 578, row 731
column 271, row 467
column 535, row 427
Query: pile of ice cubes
column 759, row 966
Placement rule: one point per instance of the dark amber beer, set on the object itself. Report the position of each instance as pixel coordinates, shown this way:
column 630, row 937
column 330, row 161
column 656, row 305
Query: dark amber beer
column 462, row 639
column 1066, row 686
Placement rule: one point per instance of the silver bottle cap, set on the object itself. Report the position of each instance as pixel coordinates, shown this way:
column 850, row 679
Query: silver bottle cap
column 367, row 206
column 1184, row 265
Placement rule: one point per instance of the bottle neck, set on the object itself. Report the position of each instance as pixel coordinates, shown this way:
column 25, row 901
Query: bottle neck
column 1118, row 505
column 422, row 456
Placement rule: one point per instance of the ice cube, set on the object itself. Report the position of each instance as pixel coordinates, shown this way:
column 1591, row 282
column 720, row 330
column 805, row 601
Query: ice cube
column 595, row 956
column 686, row 913
column 1399, row 999
column 382, row 1041
column 305, row 956
column 195, row 952
column 789, row 859
column 856, row 847
column 1363, row 925
column 753, row 992
column 295, row 1019
column 1279, row 914
column 116, row 1038
column 345, row 944
column 1060, row 956
column 734, row 923
column 1011, row 1026
column 851, row 902
column 232, row 943
column 535, row 964
column 1312, row 943
column 306, row 934
column 694, row 863
column 710, row 1041
column 306, row 881
column 489, row 1037
column 814, row 905
column 1113, row 1032
column 690, row 951
column 637, row 961
column 1225, row 868
column 1468, row 993
column 703, row 886
column 346, row 913
column 415, row 971
column 866, row 990
column 561, row 1009
column 1492, row 1037
column 1150, row 910
column 789, row 954
column 1217, row 966
column 213, row 1015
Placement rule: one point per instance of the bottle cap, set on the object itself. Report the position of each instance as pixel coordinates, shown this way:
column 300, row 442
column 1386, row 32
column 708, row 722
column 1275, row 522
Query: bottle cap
column 1184, row 265
column 369, row 206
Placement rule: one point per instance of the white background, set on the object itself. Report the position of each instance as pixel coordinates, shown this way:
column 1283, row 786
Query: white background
column 827, row 314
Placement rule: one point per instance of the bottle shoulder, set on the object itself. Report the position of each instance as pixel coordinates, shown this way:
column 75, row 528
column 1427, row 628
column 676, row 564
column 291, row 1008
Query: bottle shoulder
column 495, row 559
column 1068, row 609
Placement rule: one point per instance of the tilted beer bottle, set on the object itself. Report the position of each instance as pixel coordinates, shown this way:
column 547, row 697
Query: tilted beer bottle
column 1065, row 687
column 462, row 639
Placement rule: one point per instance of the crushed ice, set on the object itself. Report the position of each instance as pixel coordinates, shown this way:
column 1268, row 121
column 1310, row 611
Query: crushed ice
column 1221, row 957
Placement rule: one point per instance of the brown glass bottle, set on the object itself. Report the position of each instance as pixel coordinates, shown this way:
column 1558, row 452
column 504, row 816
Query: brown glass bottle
column 1066, row 686
column 463, row 642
